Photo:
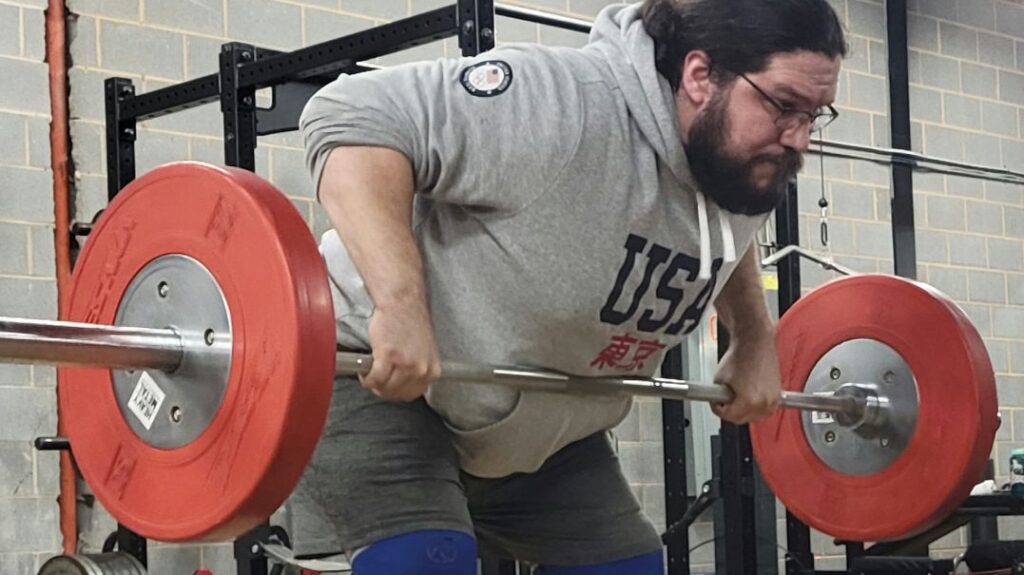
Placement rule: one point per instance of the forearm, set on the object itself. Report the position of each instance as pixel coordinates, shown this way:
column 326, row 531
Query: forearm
column 741, row 304
column 367, row 194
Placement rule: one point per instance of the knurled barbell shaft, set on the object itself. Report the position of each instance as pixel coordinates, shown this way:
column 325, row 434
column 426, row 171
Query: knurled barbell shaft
column 119, row 347
column 854, row 407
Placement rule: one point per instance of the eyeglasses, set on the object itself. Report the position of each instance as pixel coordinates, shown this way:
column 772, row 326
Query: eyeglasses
column 790, row 118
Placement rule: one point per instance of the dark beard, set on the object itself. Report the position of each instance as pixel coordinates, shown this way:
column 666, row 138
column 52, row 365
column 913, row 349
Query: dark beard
column 726, row 180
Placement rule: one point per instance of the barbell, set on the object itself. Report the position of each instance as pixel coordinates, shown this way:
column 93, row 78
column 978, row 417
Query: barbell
column 199, row 354
column 116, row 347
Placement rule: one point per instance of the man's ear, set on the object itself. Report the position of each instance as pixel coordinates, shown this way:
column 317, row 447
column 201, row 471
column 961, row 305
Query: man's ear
column 695, row 78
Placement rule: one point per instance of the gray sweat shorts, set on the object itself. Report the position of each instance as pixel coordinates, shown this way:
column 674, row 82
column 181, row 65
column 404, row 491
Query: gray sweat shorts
column 386, row 468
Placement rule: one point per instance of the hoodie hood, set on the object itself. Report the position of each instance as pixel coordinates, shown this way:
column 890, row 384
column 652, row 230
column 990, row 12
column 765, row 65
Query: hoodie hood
column 619, row 34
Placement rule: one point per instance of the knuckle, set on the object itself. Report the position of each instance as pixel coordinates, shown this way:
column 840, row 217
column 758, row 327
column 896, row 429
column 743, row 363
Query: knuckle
column 391, row 355
column 381, row 364
column 423, row 370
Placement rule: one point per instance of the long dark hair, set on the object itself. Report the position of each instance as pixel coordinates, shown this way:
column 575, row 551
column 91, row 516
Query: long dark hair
column 739, row 36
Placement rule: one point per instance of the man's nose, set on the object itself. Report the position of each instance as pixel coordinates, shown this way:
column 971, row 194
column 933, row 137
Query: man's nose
column 797, row 138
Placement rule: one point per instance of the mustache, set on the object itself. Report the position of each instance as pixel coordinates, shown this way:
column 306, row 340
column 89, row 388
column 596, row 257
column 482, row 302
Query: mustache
column 788, row 162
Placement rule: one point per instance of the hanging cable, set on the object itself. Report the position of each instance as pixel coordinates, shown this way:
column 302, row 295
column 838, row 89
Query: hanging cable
column 823, row 204
column 823, row 201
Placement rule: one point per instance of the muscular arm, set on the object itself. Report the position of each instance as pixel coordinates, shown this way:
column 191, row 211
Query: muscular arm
column 367, row 193
column 751, row 366
column 374, row 138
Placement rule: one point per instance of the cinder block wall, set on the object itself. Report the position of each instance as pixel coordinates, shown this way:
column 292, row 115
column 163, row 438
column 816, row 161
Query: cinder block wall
column 967, row 71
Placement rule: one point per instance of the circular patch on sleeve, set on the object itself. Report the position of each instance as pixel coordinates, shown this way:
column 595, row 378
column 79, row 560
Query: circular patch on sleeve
column 486, row 79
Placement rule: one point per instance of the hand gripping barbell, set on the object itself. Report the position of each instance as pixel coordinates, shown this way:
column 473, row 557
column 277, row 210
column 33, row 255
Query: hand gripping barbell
column 199, row 355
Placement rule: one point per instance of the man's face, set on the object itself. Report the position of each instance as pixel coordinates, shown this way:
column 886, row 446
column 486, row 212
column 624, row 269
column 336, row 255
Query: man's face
column 742, row 149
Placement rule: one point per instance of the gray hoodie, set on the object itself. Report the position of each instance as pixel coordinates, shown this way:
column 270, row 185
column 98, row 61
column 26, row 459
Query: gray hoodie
column 559, row 225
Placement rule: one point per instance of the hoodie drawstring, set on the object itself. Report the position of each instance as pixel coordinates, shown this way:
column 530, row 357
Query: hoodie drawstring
column 728, row 241
column 705, row 238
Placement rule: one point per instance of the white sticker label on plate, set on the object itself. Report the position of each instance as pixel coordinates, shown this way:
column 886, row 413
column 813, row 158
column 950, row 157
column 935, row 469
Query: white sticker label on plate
column 146, row 400
column 822, row 417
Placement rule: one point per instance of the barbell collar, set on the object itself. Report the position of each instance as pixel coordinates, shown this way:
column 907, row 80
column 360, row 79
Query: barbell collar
column 848, row 406
column 873, row 419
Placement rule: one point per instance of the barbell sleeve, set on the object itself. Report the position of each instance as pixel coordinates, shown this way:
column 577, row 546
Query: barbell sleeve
column 88, row 345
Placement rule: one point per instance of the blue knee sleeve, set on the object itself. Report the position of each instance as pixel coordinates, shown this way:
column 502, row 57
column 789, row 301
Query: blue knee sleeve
column 650, row 564
column 428, row 552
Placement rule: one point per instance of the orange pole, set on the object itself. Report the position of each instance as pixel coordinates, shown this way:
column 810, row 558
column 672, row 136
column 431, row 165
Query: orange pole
column 60, row 138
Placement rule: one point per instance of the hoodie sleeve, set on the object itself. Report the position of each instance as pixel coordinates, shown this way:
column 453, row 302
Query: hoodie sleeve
column 489, row 132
